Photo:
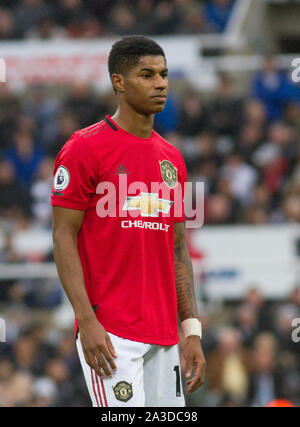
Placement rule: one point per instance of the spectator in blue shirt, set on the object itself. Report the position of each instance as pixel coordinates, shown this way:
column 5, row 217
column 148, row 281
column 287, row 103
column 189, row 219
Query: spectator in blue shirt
column 25, row 157
column 217, row 13
column 273, row 88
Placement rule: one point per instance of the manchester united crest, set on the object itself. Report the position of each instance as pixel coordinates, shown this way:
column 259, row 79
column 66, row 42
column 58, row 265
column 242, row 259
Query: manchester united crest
column 168, row 173
column 123, row 391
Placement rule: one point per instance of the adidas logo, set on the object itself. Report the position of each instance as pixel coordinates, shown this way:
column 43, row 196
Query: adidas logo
column 121, row 169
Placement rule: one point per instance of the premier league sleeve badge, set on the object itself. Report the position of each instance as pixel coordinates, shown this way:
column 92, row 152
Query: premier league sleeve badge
column 61, row 179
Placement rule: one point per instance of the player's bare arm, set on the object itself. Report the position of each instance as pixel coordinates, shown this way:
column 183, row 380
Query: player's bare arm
column 94, row 339
column 186, row 301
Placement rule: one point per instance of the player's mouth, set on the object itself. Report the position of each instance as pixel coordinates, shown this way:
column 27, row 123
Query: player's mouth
column 160, row 98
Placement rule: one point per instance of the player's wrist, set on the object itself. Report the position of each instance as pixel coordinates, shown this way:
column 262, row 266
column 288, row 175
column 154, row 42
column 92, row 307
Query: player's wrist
column 192, row 327
column 85, row 319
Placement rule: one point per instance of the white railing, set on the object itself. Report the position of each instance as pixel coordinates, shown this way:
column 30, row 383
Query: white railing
column 235, row 63
column 28, row 271
column 238, row 18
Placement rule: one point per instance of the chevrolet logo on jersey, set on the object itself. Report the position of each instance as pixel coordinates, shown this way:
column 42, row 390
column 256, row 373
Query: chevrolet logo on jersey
column 148, row 203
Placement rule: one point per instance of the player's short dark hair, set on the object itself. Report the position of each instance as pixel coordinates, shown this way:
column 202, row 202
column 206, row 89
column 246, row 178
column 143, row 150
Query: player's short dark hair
column 127, row 52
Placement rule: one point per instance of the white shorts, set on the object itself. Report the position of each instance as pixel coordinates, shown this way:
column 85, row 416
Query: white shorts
column 147, row 375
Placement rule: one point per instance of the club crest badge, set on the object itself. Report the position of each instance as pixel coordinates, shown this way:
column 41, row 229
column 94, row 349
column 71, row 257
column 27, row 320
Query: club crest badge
column 61, row 179
column 168, row 173
column 123, row 391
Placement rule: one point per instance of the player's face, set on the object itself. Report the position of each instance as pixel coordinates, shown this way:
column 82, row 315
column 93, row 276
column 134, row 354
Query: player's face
column 146, row 85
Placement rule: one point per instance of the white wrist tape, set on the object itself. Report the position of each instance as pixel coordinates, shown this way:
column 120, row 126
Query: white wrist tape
column 192, row 327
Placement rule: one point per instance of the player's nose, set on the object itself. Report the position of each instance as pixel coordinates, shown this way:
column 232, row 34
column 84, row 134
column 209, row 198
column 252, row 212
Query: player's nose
column 161, row 83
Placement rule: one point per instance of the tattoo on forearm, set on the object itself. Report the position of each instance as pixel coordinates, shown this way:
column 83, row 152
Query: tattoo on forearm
column 186, row 300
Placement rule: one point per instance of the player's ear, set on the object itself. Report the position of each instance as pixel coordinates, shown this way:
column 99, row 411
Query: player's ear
column 118, row 82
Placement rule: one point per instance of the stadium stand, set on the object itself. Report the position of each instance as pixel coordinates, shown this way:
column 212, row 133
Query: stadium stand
column 88, row 19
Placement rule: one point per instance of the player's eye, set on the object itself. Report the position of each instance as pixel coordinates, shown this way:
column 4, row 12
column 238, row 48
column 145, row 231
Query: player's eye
column 146, row 76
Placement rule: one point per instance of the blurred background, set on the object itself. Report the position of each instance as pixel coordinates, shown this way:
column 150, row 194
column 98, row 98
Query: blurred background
column 233, row 111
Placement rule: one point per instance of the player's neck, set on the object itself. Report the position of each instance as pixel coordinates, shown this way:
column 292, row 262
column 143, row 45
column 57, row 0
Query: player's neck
column 137, row 124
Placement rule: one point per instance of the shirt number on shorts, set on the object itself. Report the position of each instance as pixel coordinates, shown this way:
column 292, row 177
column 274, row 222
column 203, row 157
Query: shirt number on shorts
column 178, row 391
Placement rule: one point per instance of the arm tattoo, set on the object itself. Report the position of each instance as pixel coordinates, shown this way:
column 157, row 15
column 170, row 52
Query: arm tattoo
column 186, row 300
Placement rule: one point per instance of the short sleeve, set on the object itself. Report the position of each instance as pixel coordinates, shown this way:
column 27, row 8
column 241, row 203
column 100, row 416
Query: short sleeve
column 75, row 170
column 182, row 178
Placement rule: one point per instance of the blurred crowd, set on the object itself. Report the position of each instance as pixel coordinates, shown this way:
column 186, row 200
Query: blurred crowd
column 45, row 19
column 246, row 149
column 39, row 365
column 251, row 357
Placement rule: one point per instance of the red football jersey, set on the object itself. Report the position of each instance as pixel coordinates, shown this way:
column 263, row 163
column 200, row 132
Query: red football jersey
column 126, row 242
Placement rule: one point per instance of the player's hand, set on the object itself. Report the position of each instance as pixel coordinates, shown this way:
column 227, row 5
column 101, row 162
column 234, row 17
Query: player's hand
column 194, row 362
column 97, row 348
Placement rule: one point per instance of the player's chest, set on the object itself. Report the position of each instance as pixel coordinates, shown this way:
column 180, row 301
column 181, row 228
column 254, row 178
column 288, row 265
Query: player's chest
column 135, row 165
